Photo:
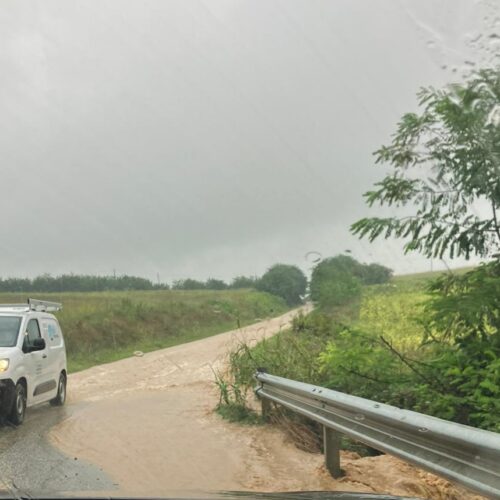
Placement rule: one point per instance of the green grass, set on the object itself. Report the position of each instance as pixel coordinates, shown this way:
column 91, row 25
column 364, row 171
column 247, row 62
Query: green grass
column 393, row 313
column 420, row 280
column 234, row 412
column 100, row 327
column 393, row 309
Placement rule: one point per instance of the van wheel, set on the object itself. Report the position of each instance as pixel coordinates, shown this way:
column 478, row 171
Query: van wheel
column 60, row 399
column 19, row 406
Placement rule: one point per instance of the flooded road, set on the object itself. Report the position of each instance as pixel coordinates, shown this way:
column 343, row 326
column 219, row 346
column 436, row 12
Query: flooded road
column 29, row 463
column 145, row 426
column 149, row 423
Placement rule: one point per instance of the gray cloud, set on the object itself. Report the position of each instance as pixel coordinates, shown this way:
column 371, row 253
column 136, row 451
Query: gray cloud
column 206, row 138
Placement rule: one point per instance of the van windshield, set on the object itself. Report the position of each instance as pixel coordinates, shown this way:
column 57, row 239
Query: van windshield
column 9, row 328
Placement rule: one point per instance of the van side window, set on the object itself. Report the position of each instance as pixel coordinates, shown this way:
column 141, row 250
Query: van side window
column 33, row 331
column 52, row 332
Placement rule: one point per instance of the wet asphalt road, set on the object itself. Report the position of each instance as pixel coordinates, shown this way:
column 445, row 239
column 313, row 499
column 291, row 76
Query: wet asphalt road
column 29, row 464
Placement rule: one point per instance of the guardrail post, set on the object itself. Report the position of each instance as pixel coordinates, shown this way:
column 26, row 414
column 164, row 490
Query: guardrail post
column 331, row 444
column 266, row 409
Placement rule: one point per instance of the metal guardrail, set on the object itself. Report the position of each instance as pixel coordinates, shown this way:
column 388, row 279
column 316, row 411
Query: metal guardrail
column 457, row 452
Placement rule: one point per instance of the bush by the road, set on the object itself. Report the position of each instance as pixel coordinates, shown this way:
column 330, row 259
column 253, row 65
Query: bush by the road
column 285, row 281
column 375, row 274
column 337, row 280
column 335, row 288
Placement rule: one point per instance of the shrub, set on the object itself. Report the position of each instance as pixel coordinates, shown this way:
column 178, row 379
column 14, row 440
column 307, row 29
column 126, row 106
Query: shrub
column 287, row 282
column 463, row 320
column 360, row 364
column 337, row 280
column 334, row 281
column 375, row 274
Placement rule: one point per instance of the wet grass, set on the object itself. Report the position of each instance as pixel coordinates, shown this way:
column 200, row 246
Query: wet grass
column 101, row 327
column 240, row 413
column 419, row 281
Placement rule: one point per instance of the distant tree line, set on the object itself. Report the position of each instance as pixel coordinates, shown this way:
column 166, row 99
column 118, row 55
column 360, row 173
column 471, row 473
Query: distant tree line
column 77, row 283
column 215, row 284
column 47, row 283
column 282, row 280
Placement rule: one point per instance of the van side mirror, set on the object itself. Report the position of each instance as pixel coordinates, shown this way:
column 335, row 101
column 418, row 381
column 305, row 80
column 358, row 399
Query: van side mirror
column 38, row 345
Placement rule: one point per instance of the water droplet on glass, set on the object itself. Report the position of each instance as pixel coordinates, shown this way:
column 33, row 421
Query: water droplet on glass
column 313, row 257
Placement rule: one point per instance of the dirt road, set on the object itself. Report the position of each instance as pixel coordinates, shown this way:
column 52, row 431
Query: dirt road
column 148, row 423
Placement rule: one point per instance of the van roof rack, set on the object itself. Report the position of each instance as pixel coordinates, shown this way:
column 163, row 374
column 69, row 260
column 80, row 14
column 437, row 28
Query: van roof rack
column 34, row 305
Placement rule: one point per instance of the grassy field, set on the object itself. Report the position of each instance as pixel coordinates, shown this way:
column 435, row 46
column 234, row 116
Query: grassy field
column 106, row 326
column 420, row 280
column 391, row 309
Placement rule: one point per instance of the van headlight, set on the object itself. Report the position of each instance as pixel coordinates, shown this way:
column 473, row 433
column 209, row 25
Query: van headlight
column 4, row 364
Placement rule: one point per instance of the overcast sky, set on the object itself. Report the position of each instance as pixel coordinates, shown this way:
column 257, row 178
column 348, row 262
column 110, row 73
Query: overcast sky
column 209, row 138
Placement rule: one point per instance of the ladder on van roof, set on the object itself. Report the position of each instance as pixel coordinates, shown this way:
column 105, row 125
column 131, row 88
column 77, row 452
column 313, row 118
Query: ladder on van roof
column 34, row 305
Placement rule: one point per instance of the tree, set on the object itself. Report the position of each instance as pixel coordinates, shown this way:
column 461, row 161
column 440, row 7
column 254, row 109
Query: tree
column 188, row 284
column 341, row 262
column 336, row 281
column 285, row 281
column 243, row 282
column 443, row 161
column 376, row 274
column 214, row 284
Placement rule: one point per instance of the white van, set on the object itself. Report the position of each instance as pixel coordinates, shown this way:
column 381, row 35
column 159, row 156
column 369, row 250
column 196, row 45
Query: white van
column 32, row 358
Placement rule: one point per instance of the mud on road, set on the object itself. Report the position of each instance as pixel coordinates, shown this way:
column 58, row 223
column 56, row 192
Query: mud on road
column 145, row 426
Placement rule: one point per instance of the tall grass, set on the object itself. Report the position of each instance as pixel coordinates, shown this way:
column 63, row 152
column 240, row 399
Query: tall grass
column 394, row 312
column 106, row 326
